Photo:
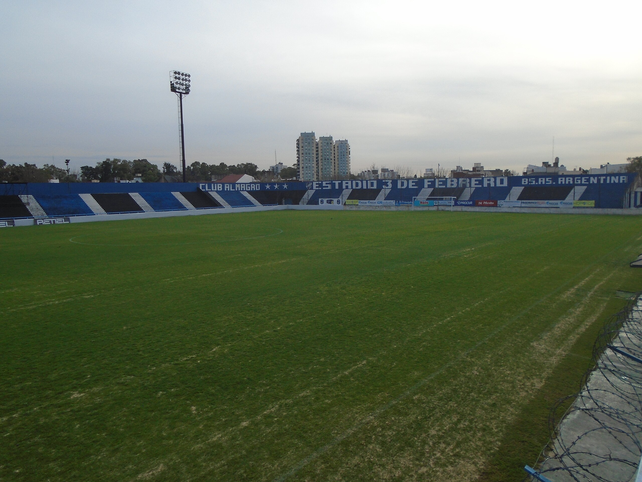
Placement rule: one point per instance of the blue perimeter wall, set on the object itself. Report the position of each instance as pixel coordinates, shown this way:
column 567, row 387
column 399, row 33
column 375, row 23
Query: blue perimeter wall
column 597, row 190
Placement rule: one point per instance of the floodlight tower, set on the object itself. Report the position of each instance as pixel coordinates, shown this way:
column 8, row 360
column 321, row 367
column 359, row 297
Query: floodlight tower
column 179, row 83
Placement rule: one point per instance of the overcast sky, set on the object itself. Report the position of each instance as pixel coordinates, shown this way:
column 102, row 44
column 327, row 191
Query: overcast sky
column 412, row 84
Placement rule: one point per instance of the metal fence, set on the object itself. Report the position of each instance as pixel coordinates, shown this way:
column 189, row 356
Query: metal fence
column 599, row 437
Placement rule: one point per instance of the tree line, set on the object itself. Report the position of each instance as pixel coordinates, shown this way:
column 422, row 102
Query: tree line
column 116, row 170
column 201, row 171
column 31, row 173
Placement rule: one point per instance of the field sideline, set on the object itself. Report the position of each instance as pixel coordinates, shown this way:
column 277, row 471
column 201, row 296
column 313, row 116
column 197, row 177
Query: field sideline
column 290, row 345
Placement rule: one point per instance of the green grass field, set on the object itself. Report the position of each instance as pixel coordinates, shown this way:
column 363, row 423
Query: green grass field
column 299, row 345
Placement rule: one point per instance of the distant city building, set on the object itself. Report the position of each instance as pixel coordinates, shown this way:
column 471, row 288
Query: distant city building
column 277, row 168
column 383, row 173
column 306, row 156
column 341, row 158
column 608, row 168
column 430, row 172
column 322, row 159
column 369, row 175
column 325, row 157
column 477, row 171
column 555, row 168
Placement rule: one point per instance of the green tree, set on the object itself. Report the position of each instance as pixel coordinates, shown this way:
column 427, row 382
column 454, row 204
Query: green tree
column 55, row 172
column 169, row 169
column 147, row 171
column 104, row 170
column 220, row 171
column 28, row 173
column 288, row 173
column 88, row 173
column 635, row 164
column 122, row 170
column 198, row 171
column 245, row 168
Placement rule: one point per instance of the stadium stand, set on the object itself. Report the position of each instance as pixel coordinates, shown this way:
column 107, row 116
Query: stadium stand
column 64, row 205
column 276, row 198
column 201, row 200
column 364, row 194
column 117, row 203
column 13, row 207
column 448, row 192
column 38, row 200
column 548, row 193
column 236, row 199
column 162, row 201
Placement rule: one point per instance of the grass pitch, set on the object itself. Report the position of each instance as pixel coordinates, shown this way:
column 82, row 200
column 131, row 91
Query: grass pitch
column 298, row 345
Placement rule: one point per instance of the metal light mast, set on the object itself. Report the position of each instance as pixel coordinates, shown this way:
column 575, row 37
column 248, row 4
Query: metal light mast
column 179, row 83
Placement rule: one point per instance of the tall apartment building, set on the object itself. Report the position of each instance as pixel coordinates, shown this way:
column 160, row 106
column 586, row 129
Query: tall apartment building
column 322, row 159
column 341, row 158
column 326, row 157
column 306, row 157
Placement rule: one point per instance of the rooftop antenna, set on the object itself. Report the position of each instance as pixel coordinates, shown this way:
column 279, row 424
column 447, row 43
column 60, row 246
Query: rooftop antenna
column 553, row 157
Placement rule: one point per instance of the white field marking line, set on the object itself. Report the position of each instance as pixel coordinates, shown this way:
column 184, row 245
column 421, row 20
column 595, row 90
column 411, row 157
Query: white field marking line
column 309, row 391
column 52, row 302
column 572, row 291
column 168, row 280
column 452, row 317
column 269, row 263
column 572, row 314
column 233, row 240
column 475, row 305
column 305, row 461
column 33, row 288
column 275, row 406
column 369, row 418
column 545, row 268
column 10, row 290
column 284, row 402
column 231, row 270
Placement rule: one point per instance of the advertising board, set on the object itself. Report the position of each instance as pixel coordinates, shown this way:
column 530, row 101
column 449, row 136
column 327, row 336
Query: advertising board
column 433, row 202
column 584, row 204
column 509, row 204
column 50, row 221
column 549, row 204
column 488, row 203
column 376, row 203
column 329, row 202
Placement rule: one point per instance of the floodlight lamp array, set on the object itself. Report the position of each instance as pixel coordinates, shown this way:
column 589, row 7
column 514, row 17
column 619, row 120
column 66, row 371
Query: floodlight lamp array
column 179, row 82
